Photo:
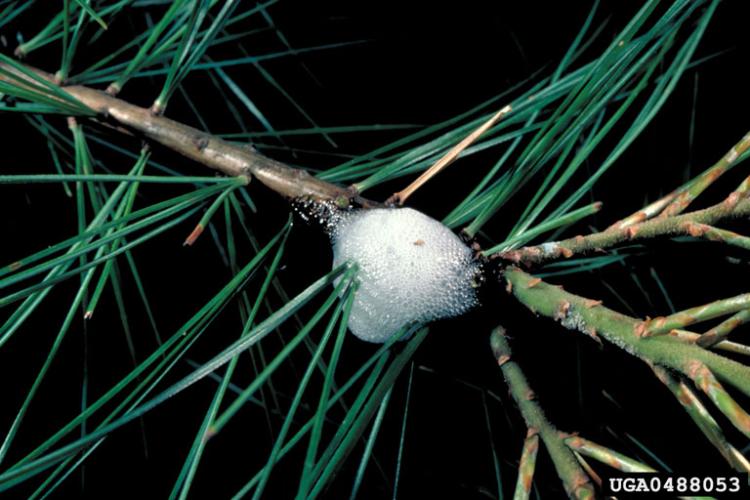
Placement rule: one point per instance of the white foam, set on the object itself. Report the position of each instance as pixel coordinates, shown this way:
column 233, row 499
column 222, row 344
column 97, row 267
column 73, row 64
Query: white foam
column 412, row 269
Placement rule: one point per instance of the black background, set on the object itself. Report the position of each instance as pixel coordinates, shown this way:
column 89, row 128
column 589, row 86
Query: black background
column 417, row 63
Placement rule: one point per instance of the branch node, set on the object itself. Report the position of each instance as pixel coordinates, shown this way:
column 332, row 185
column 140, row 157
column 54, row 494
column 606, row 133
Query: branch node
column 693, row 229
column 200, row 142
column 562, row 310
column 732, row 200
column 533, row 282
column 592, row 303
column 640, row 328
column 631, row 232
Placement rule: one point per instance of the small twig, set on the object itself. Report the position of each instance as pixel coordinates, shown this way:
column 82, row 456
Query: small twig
column 590, row 317
column 648, row 212
column 716, row 234
column 526, row 467
column 705, row 312
column 705, row 380
column 447, row 159
column 732, row 207
column 606, row 456
column 721, row 345
column 660, row 218
column 231, row 159
column 596, row 478
column 716, row 335
column 744, row 188
column 703, row 419
column 677, row 200
column 577, row 484
column 703, row 181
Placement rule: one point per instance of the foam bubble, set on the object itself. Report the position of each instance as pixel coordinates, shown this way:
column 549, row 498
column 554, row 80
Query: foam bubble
column 412, row 269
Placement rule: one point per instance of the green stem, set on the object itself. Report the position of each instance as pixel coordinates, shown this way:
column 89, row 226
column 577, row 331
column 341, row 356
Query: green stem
column 704, row 379
column 677, row 200
column 575, row 480
column 732, row 207
column 590, row 317
column 744, row 187
column 605, row 455
column 723, row 345
column 717, row 334
column 703, row 181
column 526, row 467
column 721, row 235
column 681, row 319
column 703, row 419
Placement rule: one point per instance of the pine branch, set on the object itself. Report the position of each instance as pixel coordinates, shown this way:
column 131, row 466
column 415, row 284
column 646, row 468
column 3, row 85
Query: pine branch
column 526, row 466
column 676, row 201
column 659, row 218
column 703, row 419
column 711, row 233
column 733, row 206
column 703, row 378
column 590, row 317
column 575, row 480
column 705, row 312
column 713, row 342
column 703, row 181
column 605, row 455
column 209, row 150
column 717, row 334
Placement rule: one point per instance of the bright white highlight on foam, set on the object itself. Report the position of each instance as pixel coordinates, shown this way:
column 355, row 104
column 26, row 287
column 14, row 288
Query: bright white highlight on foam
column 412, row 268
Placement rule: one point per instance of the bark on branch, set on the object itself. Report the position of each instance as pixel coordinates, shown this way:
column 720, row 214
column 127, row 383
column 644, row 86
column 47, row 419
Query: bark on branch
column 213, row 152
column 576, row 482
column 687, row 224
column 591, row 318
